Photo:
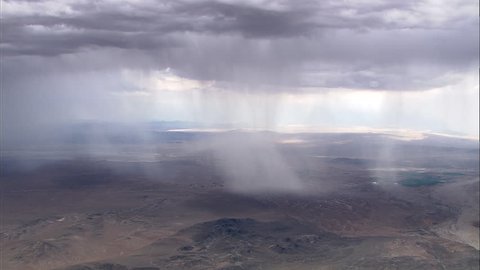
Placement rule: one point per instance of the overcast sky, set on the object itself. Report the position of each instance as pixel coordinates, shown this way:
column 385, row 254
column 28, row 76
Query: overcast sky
column 264, row 64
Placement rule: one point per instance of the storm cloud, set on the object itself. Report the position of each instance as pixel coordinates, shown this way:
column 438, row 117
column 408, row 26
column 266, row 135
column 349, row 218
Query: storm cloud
column 357, row 44
column 221, row 61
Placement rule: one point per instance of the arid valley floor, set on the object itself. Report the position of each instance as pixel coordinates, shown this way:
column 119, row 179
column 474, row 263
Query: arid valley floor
column 358, row 208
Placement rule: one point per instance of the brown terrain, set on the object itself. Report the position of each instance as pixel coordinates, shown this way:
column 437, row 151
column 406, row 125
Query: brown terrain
column 357, row 210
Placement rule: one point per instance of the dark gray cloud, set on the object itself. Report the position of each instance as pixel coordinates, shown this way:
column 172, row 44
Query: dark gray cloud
column 142, row 24
column 70, row 60
column 280, row 45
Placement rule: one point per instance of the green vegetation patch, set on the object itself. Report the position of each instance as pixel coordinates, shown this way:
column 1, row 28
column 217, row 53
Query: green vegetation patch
column 418, row 180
